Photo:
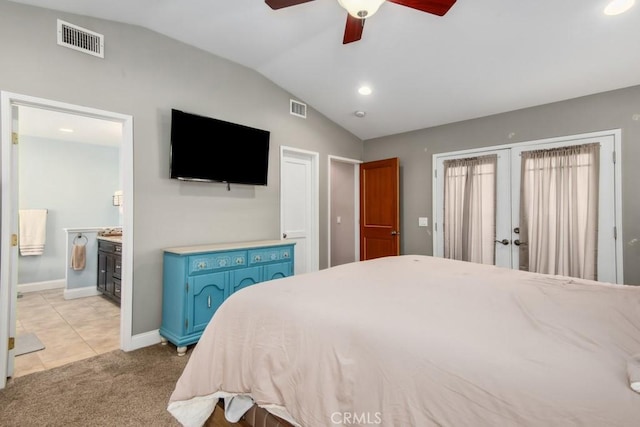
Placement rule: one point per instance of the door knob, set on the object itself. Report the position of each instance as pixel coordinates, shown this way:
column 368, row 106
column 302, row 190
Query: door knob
column 518, row 242
column 394, row 233
column 503, row 241
column 284, row 235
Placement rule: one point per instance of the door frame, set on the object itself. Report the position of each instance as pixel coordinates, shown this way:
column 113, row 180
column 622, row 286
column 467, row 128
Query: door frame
column 8, row 281
column 314, row 233
column 356, row 203
column 616, row 134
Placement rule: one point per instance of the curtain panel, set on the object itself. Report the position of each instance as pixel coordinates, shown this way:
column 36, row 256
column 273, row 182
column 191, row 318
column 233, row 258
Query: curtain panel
column 559, row 211
column 470, row 209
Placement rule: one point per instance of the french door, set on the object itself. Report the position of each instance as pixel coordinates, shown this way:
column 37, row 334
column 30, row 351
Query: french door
column 513, row 239
column 495, row 174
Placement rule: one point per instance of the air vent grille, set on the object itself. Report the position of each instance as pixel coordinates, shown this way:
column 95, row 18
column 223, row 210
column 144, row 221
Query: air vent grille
column 298, row 108
column 80, row 39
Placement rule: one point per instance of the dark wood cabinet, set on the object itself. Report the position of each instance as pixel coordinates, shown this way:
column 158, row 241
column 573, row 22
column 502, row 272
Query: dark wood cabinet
column 109, row 267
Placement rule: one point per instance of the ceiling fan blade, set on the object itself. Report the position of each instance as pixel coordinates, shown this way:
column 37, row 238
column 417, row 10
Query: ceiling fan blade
column 279, row 4
column 353, row 29
column 436, row 7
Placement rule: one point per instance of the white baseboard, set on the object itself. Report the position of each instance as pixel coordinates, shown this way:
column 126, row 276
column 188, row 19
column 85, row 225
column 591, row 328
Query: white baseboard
column 145, row 339
column 42, row 286
column 81, row 292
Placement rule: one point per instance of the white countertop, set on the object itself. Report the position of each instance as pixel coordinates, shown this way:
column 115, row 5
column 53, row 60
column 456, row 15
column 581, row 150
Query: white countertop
column 185, row 250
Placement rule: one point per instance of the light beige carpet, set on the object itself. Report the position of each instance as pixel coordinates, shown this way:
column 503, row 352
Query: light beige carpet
column 114, row 389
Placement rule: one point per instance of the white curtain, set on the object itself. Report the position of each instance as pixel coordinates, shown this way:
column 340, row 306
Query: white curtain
column 559, row 211
column 470, row 209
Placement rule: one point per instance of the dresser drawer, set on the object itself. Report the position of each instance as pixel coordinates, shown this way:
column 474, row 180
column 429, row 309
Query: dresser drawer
column 217, row 261
column 261, row 256
column 111, row 247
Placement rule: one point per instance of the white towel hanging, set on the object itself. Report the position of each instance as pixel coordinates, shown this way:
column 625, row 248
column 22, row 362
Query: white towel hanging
column 33, row 231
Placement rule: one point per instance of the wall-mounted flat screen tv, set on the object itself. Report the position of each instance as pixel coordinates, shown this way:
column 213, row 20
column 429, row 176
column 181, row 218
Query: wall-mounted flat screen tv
column 212, row 150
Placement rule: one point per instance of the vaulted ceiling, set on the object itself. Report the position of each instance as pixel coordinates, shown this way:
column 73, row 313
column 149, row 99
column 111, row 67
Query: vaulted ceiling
column 481, row 58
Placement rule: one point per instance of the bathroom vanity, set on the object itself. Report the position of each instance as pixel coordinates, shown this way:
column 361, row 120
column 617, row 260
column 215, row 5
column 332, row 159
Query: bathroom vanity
column 110, row 266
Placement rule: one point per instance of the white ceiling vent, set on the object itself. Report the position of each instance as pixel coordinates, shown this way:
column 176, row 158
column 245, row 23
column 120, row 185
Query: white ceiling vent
column 297, row 108
column 81, row 39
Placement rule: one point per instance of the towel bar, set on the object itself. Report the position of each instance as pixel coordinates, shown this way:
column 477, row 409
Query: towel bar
column 80, row 236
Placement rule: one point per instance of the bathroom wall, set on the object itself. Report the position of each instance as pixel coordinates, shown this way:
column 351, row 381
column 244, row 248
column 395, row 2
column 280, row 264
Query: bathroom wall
column 75, row 182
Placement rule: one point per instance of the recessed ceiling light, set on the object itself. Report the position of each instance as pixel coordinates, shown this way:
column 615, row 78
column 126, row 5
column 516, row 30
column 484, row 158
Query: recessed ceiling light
column 66, row 130
column 616, row 7
column 364, row 90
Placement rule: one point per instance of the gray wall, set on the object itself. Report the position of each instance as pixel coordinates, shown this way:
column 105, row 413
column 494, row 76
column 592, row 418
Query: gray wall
column 611, row 110
column 342, row 205
column 75, row 182
column 145, row 74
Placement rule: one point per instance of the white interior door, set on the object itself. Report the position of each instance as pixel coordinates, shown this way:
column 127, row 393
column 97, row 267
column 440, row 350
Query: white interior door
column 299, row 206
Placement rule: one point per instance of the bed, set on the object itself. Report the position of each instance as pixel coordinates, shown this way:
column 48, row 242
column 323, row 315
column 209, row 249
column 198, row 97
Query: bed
column 419, row 341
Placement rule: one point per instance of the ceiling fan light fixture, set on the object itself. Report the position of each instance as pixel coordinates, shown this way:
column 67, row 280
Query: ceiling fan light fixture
column 361, row 9
column 616, row 7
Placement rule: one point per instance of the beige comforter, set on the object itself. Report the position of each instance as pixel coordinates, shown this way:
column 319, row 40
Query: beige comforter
column 421, row 341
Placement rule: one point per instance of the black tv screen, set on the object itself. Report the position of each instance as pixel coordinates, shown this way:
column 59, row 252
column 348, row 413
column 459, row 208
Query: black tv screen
column 208, row 149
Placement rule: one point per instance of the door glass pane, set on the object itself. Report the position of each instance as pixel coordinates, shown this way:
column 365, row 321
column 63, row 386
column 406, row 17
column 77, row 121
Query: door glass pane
column 470, row 209
column 559, row 211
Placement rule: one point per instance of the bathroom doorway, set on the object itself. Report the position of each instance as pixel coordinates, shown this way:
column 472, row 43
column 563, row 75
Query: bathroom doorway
column 11, row 125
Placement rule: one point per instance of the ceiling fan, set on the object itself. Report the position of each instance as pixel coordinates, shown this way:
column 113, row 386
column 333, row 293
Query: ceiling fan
column 358, row 10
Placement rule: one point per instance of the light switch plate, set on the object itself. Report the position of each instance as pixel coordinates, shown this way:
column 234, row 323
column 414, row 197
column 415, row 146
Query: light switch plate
column 423, row 221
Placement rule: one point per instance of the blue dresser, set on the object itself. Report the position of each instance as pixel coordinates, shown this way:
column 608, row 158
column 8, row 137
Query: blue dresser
column 197, row 280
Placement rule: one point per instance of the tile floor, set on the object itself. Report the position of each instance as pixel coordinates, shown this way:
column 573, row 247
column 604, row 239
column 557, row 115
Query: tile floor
column 70, row 330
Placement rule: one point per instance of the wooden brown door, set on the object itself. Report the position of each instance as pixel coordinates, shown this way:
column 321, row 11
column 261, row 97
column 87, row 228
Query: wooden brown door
column 379, row 209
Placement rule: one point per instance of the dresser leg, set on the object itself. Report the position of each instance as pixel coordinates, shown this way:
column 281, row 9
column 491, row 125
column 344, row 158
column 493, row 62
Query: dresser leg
column 163, row 340
column 182, row 351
